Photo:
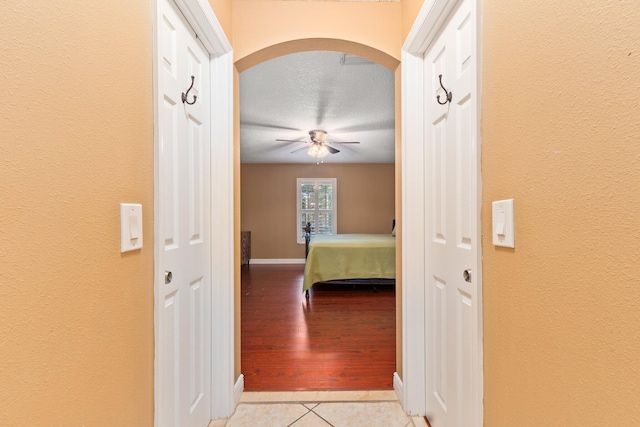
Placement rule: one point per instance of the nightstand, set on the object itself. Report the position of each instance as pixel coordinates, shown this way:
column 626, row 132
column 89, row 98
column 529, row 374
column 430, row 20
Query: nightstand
column 245, row 247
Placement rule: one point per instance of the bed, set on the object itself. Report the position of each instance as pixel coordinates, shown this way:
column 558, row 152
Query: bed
column 349, row 258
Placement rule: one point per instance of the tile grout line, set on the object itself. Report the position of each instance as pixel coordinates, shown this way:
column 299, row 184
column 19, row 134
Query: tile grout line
column 317, row 404
column 320, row 416
column 301, row 416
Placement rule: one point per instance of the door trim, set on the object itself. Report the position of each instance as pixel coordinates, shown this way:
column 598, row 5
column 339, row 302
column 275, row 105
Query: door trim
column 426, row 27
column 203, row 21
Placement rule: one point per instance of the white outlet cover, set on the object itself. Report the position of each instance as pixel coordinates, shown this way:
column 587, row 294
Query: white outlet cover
column 503, row 227
column 130, row 227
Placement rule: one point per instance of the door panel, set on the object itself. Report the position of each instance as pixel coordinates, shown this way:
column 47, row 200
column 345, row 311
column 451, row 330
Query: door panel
column 184, row 361
column 451, row 222
column 195, row 181
column 196, row 342
column 169, row 350
column 439, row 342
column 465, row 181
column 168, row 146
column 437, row 225
column 439, row 147
column 465, row 322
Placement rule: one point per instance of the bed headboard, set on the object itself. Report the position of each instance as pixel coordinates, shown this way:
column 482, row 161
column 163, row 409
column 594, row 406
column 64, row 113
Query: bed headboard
column 307, row 238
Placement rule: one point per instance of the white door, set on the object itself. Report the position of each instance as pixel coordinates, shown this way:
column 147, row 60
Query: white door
column 451, row 216
column 184, row 211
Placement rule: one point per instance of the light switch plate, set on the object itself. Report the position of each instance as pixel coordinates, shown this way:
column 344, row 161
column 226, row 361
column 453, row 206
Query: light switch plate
column 503, row 227
column 130, row 227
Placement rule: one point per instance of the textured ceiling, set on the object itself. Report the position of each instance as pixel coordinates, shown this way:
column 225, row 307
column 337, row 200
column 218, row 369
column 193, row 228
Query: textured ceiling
column 286, row 97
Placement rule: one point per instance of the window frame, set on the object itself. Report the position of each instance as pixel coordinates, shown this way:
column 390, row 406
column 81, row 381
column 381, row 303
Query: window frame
column 299, row 211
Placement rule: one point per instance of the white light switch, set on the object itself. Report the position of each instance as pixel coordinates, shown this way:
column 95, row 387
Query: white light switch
column 503, row 224
column 130, row 227
column 500, row 224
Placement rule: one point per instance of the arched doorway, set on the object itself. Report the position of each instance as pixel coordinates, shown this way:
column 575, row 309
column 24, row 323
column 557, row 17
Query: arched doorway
column 351, row 48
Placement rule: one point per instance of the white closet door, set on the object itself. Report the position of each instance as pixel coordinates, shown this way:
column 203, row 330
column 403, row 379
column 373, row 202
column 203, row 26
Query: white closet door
column 451, row 311
column 184, row 328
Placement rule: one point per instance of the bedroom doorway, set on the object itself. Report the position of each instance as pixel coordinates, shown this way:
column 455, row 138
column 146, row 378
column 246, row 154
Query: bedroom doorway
column 351, row 185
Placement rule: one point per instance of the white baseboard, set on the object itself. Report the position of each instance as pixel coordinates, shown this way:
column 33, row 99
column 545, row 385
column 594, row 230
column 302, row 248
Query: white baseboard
column 398, row 387
column 238, row 388
column 277, row 261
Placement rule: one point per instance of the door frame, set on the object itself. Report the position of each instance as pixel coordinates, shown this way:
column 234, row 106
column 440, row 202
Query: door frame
column 203, row 21
column 427, row 26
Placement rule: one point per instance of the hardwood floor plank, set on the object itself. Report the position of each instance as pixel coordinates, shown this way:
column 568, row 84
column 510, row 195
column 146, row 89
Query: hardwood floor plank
column 340, row 338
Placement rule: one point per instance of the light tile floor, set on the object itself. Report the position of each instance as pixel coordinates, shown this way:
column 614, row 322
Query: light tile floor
column 319, row 409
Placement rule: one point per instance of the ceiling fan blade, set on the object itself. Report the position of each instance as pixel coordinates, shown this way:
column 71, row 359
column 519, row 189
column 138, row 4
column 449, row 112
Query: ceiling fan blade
column 331, row 149
column 345, row 142
column 299, row 149
column 291, row 140
column 276, row 147
column 365, row 127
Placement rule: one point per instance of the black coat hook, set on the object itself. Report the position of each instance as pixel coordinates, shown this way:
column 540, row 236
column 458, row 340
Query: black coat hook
column 449, row 94
column 184, row 95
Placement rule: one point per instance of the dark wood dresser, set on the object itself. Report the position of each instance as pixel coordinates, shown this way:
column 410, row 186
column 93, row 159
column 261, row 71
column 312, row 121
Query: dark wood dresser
column 245, row 247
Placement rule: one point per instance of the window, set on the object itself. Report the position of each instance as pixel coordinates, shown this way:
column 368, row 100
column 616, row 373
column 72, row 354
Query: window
column 316, row 203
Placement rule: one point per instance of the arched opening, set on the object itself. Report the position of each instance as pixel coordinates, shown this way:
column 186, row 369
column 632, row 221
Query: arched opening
column 304, row 45
column 361, row 51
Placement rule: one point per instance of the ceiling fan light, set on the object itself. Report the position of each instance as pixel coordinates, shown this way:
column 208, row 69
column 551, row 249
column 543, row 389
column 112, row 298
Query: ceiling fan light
column 313, row 151
column 317, row 150
column 323, row 151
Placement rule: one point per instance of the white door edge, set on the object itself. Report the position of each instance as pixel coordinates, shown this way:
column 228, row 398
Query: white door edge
column 413, row 244
column 222, row 226
column 201, row 18
column 426, row 27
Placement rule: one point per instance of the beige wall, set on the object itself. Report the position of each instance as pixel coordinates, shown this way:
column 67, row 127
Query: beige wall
column 560, row 134
column 223, row 11
column 259, row 24
column 76, row 126
column 77, row 139
column 366, row 202
column 410, row 10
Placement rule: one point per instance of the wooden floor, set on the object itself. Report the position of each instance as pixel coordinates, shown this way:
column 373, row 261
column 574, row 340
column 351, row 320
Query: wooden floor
column 340, row 338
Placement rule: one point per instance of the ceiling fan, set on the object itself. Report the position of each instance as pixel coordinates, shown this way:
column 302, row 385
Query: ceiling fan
column 319, row 145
